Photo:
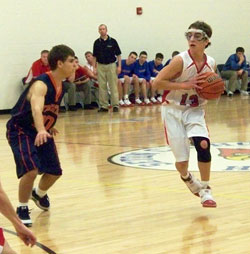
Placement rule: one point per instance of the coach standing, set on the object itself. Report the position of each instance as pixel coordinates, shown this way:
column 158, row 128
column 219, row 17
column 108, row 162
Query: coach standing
column 106, row 52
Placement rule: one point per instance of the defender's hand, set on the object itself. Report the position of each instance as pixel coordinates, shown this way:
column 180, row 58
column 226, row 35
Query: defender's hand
column 42, row 137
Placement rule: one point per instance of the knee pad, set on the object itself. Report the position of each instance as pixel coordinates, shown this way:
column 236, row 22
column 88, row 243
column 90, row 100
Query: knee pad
column 202, row 146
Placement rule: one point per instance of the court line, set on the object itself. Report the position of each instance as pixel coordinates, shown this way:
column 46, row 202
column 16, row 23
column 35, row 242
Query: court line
column 41, row 246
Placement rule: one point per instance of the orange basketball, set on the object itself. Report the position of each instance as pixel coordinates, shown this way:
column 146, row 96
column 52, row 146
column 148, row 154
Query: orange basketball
column 212, row 88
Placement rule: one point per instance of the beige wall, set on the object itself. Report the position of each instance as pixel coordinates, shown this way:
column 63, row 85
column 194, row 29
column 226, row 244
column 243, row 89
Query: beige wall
column 29, row 26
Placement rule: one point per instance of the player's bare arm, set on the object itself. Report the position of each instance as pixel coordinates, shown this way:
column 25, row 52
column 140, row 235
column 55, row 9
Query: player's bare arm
column 171, row 72
column 8, row 211
column 36, row 96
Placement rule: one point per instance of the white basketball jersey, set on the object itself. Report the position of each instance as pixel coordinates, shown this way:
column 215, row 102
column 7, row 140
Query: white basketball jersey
column 189, row 98
column 90, row 66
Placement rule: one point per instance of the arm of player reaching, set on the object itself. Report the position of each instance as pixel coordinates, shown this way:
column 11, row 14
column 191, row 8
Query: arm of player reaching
column 37, row 95
column 8, row 211
column 172, row 71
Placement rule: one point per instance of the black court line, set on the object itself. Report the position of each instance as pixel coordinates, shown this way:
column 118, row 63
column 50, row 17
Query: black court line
column 41, row 246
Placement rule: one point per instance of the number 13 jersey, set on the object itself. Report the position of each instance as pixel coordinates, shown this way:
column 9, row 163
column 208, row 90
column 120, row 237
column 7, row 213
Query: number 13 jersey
column 188, row 98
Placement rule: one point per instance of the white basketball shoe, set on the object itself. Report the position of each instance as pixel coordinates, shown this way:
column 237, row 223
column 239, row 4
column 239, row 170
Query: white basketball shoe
column 207, row 199
column 193, row 184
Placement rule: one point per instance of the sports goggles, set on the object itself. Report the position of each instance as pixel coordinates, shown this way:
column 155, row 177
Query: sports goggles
column 198, row 34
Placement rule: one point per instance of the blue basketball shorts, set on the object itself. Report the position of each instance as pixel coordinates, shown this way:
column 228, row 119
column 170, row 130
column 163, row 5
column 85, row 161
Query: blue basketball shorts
column 28, row 157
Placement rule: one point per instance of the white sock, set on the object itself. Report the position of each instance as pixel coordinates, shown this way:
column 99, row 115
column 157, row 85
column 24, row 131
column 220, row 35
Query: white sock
column 22, row 204
column 125, row 97
column 186, row 176
column 205, row 183
column 40, row 192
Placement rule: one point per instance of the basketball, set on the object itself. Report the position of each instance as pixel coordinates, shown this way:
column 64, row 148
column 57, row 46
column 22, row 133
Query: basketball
column 212, row 88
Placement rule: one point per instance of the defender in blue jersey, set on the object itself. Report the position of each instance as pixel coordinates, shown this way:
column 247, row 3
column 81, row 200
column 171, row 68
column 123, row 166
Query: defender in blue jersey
column 31, row 129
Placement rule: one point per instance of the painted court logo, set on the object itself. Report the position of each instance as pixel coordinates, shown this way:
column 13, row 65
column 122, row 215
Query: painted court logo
column 225, row 157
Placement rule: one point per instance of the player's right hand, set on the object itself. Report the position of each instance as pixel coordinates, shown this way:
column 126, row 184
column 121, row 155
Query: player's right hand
column 42, row 137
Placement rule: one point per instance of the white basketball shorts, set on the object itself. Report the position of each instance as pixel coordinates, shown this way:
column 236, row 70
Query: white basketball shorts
column 182, row 123
column 122, row 79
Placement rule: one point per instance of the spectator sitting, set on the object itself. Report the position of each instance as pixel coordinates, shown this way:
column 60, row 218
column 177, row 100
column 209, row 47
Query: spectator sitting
column 39, row 67
column 81, row 79
column 175, row 53
column 94, row 82
column 236, row 68
column 142, row 76
column 155, row 67
column 125, row 78
column 70, row 88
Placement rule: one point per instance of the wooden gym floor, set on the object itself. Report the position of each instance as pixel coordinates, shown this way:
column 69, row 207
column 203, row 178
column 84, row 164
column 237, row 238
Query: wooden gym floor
column 102, row 208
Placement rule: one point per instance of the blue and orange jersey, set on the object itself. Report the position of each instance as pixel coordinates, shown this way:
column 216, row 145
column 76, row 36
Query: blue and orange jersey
column 21, row 114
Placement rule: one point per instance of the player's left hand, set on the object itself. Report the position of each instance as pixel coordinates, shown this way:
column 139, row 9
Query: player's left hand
column 194, row 82
column 200, row 78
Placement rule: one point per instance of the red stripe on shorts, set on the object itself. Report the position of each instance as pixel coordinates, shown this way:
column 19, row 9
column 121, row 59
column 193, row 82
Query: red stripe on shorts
column 28, row 145
column 2, row 239
column 21, row 151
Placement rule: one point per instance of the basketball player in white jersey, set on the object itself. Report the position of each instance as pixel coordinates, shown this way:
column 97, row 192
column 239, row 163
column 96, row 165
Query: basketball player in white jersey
column 182, row 110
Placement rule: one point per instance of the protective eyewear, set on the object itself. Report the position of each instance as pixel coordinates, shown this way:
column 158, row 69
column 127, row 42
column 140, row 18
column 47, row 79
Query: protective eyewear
column 197, row 34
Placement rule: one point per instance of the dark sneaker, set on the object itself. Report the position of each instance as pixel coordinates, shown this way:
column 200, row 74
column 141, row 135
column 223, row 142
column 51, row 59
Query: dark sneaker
column 62, row 109
column 103, row 110
column 78, row 105
column 42, row 203
column 115, row 109
column 24, row 215
column 88, row 106
column 72, row 108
